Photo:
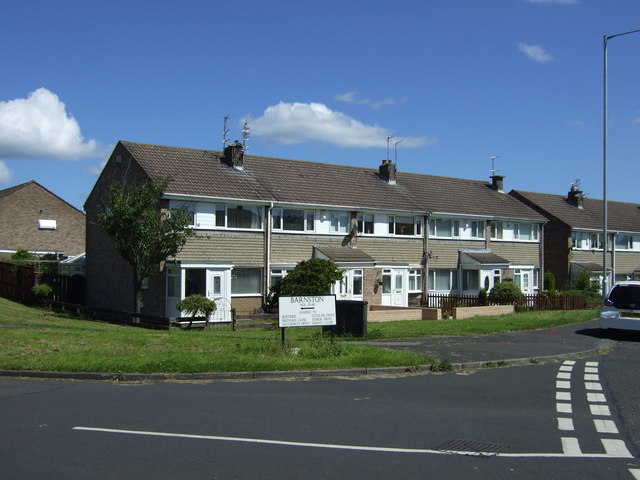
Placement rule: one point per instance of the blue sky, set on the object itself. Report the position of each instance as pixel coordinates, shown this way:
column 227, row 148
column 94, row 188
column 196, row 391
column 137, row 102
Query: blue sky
column 455, row 82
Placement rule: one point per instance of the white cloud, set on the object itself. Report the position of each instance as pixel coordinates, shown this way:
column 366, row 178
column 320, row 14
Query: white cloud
column 38, row 126
column 561, row 2
column 94, row 170
column 290, row 123
column 352, row 97
column 5, row 174
column 535, row 52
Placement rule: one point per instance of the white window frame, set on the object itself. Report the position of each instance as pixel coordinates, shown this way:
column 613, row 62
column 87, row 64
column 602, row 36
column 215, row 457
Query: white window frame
column 342, row 221
column 417, row 225
column 362, row 220
column 309, row 219
column 415, row 278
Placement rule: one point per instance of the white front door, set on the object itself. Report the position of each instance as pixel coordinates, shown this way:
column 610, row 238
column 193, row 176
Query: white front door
column 394, row 291
column 218, row 289
column 213, row 283
column 351, row 285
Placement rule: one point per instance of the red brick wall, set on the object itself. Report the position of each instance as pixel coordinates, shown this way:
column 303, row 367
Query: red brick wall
column 19, row 215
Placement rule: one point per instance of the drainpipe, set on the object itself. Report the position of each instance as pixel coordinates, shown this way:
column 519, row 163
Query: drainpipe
column 267, row 253
column 542, row 265
column 425, row 260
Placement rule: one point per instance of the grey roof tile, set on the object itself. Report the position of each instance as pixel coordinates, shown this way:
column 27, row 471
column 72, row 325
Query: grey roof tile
column 621, row 216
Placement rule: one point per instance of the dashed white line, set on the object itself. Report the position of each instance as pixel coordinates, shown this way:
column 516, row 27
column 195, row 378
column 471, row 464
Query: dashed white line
column 602, row 410
column 564, row 408
column 593, row 386
column 563, row 385
column 564, row 375
column 605, row 426
column 563, row 396
column 615, row 447
column 590, row 377
column 590, row 369
column 565, row 424
column 635, row 472
column 596, row 397
column 570, row 446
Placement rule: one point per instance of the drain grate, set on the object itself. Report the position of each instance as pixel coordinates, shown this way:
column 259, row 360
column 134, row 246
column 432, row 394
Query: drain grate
column 467, row 446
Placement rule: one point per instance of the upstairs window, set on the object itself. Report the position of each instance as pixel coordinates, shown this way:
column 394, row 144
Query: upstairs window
column 339, row 222
column 293, row 220
column 189, row 208
column 497, row 230
column 586, row 241
column 444, row 227
column 365, row 223
column 525, row 231
column 476, row 228
column 405, row 226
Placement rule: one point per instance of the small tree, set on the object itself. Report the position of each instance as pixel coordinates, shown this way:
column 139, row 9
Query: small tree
column 143, row 235
column 310, row 277
column 550, row 282
column 505, row 293
column 197, row 304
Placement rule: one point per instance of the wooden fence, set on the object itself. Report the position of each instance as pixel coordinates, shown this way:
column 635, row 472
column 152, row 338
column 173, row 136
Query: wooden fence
column 16, row 282
column 529, row 302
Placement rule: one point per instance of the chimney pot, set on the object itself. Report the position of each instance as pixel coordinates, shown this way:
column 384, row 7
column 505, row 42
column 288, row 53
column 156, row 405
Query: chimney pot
column 234, row 155
column 576, row 197
column 387, row 171
column 497, row 183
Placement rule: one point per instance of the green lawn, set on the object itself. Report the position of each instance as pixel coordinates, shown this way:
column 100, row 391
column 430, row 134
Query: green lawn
column 38, row 339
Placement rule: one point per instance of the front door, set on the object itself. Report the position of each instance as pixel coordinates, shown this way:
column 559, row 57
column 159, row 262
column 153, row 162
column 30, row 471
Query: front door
column 218, row 290
column 214, row 283
column 351, row 285
column 394, row 292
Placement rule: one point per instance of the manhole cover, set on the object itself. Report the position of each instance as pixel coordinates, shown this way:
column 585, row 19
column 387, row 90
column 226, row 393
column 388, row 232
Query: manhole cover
column 471, row 447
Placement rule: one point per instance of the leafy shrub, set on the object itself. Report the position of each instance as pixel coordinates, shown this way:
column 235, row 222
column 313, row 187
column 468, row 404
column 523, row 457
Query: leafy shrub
column 42, row 290
column 505, row 293
column 482, row 297
column 310, row 277
column 550, row 282
column 196, row 304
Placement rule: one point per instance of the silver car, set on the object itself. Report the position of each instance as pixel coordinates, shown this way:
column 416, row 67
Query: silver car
column 621, row 308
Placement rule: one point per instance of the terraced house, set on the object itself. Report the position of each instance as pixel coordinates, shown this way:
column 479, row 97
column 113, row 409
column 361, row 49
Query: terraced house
column 397, row 235
column 573, row 239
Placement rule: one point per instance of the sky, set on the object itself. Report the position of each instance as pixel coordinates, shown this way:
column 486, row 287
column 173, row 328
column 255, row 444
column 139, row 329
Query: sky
column 440, row 87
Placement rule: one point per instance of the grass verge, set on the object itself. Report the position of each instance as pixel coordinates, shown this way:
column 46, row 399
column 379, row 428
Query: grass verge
column 38, row 339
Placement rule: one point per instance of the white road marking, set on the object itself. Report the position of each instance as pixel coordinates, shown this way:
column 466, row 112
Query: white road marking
column 566, row 368
column 615, row 447
column 570, row 446
column 564, row 385
column 596, row 397
column 635, row 472
column 570, row 450
column 593, row 386
column 563, row 408
column 564, row 375
column 597, row 409
column 605, row 426
column 590, row 370
column 591, row 364
column 590, row 377
column 565, row 423
column 563, row 396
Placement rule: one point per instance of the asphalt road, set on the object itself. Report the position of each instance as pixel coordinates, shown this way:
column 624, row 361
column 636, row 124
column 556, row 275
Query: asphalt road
column 493, row 423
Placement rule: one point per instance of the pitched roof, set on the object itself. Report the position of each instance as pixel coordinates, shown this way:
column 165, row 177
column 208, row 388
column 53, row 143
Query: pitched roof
column 345, row 254
column 8, row 191
column 485, row 257
column 202, row 173
column 621, row 216
column 15, row 188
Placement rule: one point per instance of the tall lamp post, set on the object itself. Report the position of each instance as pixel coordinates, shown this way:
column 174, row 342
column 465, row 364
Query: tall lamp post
column 605, row 232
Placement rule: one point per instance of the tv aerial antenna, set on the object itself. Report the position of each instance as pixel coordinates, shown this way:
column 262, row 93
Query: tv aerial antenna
column 493, row 164
column 245, row 134
column 225, row 132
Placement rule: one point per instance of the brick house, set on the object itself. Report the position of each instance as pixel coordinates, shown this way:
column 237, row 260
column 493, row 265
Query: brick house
column 397, row 235
column 573, row 238
column 33, row 218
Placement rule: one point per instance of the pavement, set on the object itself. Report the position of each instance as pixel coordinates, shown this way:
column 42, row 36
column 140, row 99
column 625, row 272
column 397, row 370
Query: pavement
column 569, row 341
column 577, row 340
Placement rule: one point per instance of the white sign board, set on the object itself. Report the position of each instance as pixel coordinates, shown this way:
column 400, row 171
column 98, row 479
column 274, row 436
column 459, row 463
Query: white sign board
column 307, row 311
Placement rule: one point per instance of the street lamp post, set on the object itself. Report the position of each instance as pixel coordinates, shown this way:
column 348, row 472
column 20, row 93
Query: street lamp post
column 605, row 233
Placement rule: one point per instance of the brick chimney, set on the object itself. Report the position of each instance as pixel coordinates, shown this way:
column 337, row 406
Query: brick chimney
column 387, row 171
column 497, row 183
column 576, row 197
column 234, row 155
